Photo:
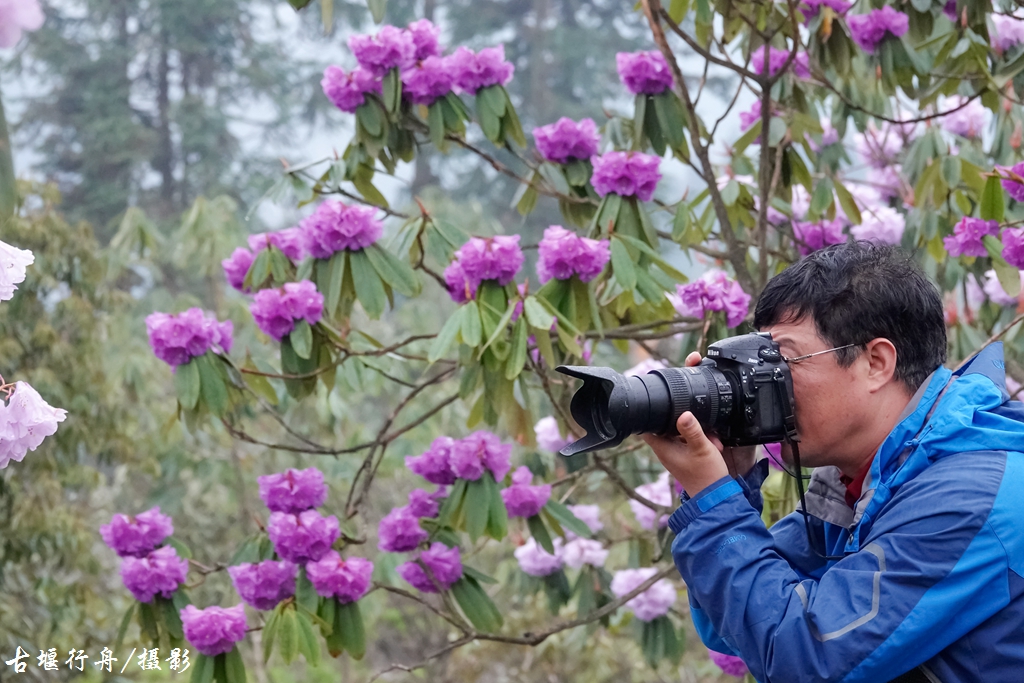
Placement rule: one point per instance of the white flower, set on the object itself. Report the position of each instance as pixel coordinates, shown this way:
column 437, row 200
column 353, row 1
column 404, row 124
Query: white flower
column 995, row 290
column 13, row 262
column 548, row 436
column 653, row 602
column 581, row 551
column 589, row 515
column 25, row 422
column 657, row 492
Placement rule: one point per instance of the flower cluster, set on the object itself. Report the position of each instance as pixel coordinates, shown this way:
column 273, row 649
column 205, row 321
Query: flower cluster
column 811, row 236
column 729, row 664
column 536, row 561
column 549, row 437
column 334, row 226
column 158, row 573
column 653, row 602
column 17, row 16
column 627, row 174
column 347, row 91
column 521, row 498
column 882, row 224
column 995, row 292
column 812, row 7
column 713, row 291
column 1008, row 33
column 400, row 531
column 879, row 146
column 302, row 537
column 1013, row 187
column 426, row 81
column 476, row 70
column 214, row 630
column 443, row 563
column 868, row 30
column 391, row 48
column 264, row 584
column 178, row 338
column 138, row 536
column 24, row 422
column 344, row 580
column 967, row 237
column 276, row 310
column 658, row 492
column 574, row 552
column 644, row 72
column 467, row 458
column 13, row 262
column 967, row 118
column 565, row 140
column 1013, row 247
column 777, row 59
column 483, row 258
column 293, row 490
column 563, row 254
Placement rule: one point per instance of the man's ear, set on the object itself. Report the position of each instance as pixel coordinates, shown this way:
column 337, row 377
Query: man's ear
column 880, row 355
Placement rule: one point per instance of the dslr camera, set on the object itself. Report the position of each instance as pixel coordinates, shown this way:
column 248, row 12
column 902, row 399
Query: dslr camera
column 742, row 391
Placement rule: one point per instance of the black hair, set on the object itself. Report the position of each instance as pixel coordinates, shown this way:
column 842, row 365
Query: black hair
column 859, row 291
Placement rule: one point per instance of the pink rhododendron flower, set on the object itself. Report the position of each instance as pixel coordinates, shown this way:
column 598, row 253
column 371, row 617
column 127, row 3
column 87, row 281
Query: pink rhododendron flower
column 522, row 499
column 713, row 291
column 659, row 493
column 565, row 140
column 995, row 291
column 13, row 262
column 729, row 664
column 303, row 537
column 424, row 35
column 428, row 80
column 813, row 236
column 491, row 258
column 969, row 119
column 549, row 437
column 536, row 561
column 1012, row 187
column 391, row 48
column 24, row 422
column 443, row 562
column 214, row 630
column 276, row 310
column 1013, row 247
column 481, row 449
column 627, row 174
column 293, row 490
column 346, row 580
column 158, row 573
column 434, row 464
column 1009, row 32
column 425, row 504
column 967, row 236
column 776, row 59
column 236, row 267
column 400, row 531
column 644, row 72
column 335, row 226
column 882, row 224
column 868, row 30
column 17, row 16
column 347, row 91
column 653, row 602
column 136, row 537
column 563, row 254
column 476, row 70
column 178, row 338
column 264, row 584
column 581, row 551
column 589, row 515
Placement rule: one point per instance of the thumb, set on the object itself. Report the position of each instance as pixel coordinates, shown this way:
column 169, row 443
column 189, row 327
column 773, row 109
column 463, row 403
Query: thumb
column 691, row 431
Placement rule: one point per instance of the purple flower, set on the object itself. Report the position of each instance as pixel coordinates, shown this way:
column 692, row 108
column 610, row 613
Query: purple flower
column 968, row 121
column 548, row 436
column 424, row 36
column 335, row 226
column 237, row 266
column 428, row 80
column 136, row 537
column 481, row 69
column 276, row 310
column 291, row 241
column 214, row 630
column 713, row 291
column 879, row 146
column 776, row 59
column 264, row 585
column 653, row 602
column 729, row 664
column 293, row 490
column 995, row 290
column 882, row 224
column 469, row 456
column 490, row 258
column 1009, row 32
column 460, row 288
column 1012, row 187
column 773, row 452
column 1013, row 247
column 949, row 9
column 751, row 116
column 813, row 236
column 563, row 254
column 536, row 561
column 443, row 562
column 177, row 339
column 967, row 236
column 425, row 504
column 522, row 499
column 589, row 515
column 159, row 572
column 25, row 422
column 391, row 48
column 434, row 464
column 345, row 580
column 400, row 531
column 659, row 493
column 347, row 91
column 303, row 537
column 644, row 72
column 581, row 551
column 868, row 30
column 17, row 16
column 565, row 140
column 814, row 6
column 627, row 174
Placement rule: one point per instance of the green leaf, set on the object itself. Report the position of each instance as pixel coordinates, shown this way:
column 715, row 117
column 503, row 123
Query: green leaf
column 309, row 644
column 446, row 337
column 497, row 516
column 731, row 192
column 370, row 193
column 476, row 605
column 392, row 90
column 126, row 620
column 489, row 118
column 302, row 339
column 305, row 594
column 148, row 627
column 622, row 264
column 171, row 618
column 435, row 121
column 287, row 634
column 478, row 575
column 517, row 356
column 527, row 200
column 202, row 668
column 270, row 633
column 655, row 256
column 369, row 288
column 258, row 271
column 212, row 383
column 233, row 666
column 540, row 533
column 377, row 8
column 186, row 382
column 499, row 329
column 477, row 508
column 849, row 205
column 472, row 331
column 993, row 204
column 822, row 197
column 368, row 116
column 951, row 171
column 335, row 278
column 349, row 622
column 567, row 519
column 752, row 134
column 536, row 314
column 393, row 270
column 452, row 505
column 179, row 547
column 1009, row 276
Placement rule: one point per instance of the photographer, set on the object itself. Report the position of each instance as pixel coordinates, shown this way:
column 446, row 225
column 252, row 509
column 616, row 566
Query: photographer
column 910, row 564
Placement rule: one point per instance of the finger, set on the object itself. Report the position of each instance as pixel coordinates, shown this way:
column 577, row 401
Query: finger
column 693, row 434
column 692, row 359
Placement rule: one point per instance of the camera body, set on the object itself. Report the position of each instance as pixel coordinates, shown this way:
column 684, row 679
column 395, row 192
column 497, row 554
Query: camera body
column 742, row 391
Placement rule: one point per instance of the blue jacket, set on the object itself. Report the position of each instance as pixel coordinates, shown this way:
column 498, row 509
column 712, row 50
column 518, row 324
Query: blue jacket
column 933, row 566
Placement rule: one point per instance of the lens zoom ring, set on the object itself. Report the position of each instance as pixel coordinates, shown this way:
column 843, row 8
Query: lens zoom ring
column 712, row 416
column 679, row 393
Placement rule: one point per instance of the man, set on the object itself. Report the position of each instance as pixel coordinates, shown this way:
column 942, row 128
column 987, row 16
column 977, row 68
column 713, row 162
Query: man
column 914, row 561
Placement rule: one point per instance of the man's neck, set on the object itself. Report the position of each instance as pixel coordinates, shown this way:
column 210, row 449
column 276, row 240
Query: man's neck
column 889, row 410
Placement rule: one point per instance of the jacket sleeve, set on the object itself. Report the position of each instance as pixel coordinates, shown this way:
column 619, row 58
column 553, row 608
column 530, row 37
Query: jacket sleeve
column 929, row 572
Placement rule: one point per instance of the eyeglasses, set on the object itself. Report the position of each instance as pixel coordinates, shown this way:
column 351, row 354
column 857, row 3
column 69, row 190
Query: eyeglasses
column 790, row 361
